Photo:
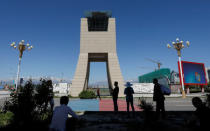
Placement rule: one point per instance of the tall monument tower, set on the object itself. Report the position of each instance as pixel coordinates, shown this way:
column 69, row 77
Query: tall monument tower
column 97, row 44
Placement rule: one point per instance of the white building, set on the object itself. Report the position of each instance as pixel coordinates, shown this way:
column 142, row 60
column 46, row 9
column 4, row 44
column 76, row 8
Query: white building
column 143, row 87
column 61, row 88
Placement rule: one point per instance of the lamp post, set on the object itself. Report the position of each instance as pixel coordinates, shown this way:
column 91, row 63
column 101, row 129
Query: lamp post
column 21, row 47
column 178, row 45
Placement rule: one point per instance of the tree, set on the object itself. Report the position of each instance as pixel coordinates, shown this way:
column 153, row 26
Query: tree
column 29, row 104
column 44, row 91
column 22, row 103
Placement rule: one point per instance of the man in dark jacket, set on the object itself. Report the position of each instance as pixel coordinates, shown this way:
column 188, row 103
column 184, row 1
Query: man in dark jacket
column 115, row 95
column 158, row 96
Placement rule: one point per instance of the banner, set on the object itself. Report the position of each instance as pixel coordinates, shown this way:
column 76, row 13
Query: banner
column 193, row 73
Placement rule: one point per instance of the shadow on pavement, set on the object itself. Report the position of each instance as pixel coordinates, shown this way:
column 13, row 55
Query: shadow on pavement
column 121, row 121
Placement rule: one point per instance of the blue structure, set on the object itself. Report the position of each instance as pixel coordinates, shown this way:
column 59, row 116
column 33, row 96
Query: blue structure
column 1, row 87
column 84, row 105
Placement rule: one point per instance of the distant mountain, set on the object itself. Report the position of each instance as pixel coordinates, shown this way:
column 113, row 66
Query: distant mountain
column 105, row 83
column 55, row 80
column 35, row 80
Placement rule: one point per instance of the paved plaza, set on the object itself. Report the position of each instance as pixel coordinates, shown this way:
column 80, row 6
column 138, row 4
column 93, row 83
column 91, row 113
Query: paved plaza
column 98, row 114
column 98, row 105
column 174, row 102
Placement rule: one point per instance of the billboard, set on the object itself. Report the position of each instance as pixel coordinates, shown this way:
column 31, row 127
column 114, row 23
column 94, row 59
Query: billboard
column 193, row 73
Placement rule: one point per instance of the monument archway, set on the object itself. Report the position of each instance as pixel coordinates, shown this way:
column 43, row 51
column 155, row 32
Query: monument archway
column 97, row 44
column 98, row 57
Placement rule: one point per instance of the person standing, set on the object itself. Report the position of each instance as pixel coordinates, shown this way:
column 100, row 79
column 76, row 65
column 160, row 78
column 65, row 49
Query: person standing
column 51, row 102
column 60, row 115
column 159, row 98
column 98, row 93
column 129, row 96
column 115, row 95
column 202, row 113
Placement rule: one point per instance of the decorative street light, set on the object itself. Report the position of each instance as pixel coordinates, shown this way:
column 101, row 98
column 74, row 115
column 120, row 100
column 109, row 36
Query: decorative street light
column 178, row 45
column 21, row 47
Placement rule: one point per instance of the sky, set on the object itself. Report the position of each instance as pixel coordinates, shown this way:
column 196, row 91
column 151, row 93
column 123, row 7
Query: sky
column 143, row 29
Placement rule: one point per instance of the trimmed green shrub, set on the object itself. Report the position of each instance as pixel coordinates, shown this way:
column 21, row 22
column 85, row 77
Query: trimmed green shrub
column 88, row 94
column 70, row 96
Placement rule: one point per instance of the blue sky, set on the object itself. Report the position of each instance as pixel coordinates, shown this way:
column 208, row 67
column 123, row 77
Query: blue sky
column 144, row 27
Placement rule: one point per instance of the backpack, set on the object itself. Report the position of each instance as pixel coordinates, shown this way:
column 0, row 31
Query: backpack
column 165, row 90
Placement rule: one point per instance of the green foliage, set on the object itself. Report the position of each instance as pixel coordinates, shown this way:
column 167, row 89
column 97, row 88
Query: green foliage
column 44, row 116
column 26, row 102
column 103, row 91
column 22, row 103
column 87, row 94
column 6, row 118
column 12, row 104
column 44, row 94
column 30, row 103
column 194, row 89
column 207, row 88
column 197, row 88
column 147, row 109
column 70, row 96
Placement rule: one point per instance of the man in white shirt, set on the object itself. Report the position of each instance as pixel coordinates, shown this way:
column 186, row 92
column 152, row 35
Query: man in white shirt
column 60, row 115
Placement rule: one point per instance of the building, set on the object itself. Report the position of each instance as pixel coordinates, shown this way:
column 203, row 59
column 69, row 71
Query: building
column 61, row 88
column 165, row 77
column 159, row 74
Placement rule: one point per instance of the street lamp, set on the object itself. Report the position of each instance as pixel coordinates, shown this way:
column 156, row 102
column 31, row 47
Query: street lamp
column 21, row 47
column 178, row 45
